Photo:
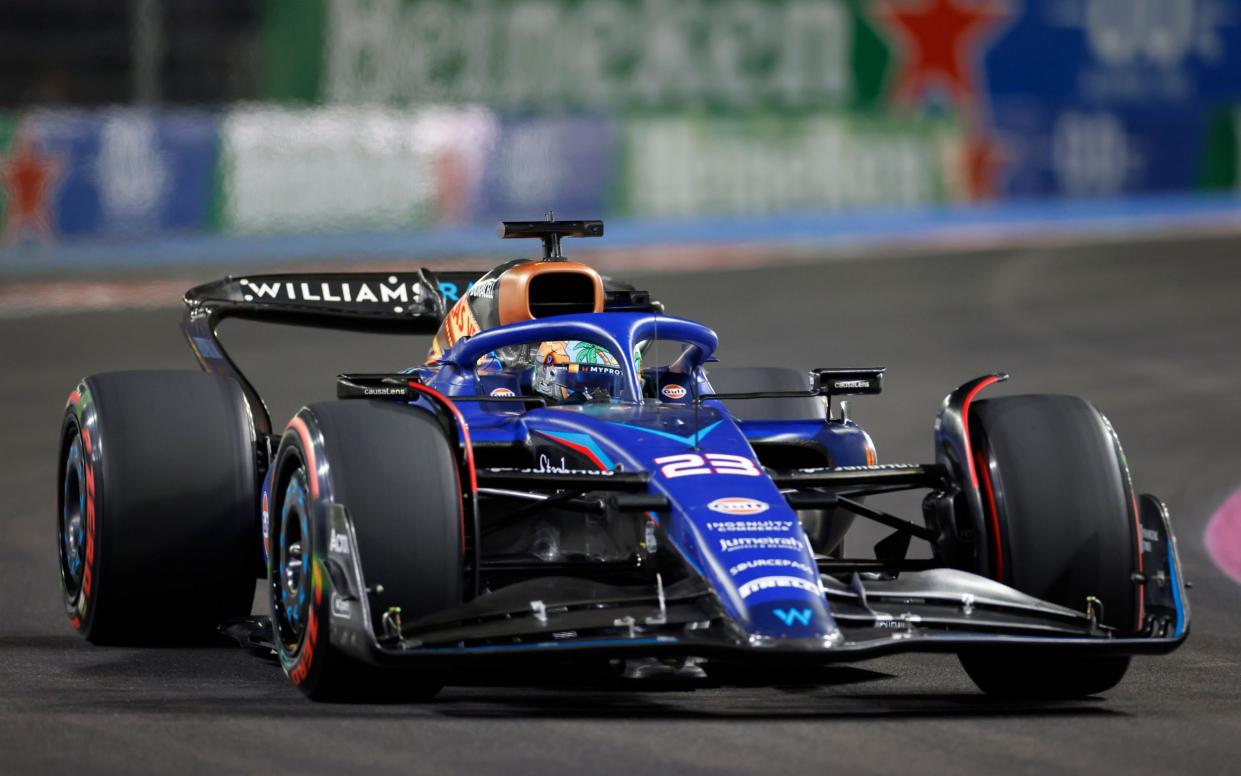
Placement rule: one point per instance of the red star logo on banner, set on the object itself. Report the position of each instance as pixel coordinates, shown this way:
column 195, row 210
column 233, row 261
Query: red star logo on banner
column 28, row 179
column 983, row 156
column 940, row 37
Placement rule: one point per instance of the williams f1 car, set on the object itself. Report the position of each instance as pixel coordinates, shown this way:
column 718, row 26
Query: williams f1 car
column 569, row 475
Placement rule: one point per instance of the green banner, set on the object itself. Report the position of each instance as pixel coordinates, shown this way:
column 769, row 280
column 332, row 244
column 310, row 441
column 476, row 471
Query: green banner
column 776, row 164
column 588, row 54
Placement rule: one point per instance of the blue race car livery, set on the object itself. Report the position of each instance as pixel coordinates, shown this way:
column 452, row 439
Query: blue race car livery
column 571, row 473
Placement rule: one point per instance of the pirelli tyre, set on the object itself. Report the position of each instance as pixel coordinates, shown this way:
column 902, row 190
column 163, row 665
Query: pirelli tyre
column 157, row 517
column 1060, row 526
column 394, row 472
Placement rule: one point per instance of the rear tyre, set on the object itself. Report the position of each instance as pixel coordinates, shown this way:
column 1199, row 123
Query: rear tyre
column 395, row 472
column 1060, row 527
column 158, row 535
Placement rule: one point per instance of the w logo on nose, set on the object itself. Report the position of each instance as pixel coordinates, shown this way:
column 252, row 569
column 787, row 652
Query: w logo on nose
column 788, row 617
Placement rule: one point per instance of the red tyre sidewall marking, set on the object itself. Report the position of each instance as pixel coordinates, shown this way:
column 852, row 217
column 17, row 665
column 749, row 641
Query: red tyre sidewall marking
column 965, row 418
column 972, row 465
column 82, row 610
column 306, row 654
column 308, row 451
column 988, row 492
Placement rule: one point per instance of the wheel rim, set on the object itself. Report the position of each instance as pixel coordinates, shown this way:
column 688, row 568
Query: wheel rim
column 290, row 577
column 71, row 530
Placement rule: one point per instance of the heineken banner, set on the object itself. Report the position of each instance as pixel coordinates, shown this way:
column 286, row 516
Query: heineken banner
column 406, row 114
column 586, row 54
column 1054, row 97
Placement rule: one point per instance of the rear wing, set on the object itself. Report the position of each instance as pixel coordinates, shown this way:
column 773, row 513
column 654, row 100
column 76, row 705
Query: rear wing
column 402, row 302
column 413, row 302
column 397, row 302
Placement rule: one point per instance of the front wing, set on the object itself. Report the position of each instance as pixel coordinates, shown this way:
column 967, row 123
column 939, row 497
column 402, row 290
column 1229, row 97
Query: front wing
column 935, row 610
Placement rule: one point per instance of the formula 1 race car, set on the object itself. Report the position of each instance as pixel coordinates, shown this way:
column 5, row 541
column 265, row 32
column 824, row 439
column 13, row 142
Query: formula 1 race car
column 570, row 476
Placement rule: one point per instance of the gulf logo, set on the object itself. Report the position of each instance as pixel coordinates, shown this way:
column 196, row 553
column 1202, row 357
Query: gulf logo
column 673, row 391
column 505, row 392
column 738, row 505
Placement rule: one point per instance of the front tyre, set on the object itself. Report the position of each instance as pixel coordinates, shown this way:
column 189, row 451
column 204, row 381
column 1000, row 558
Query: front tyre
column 394, row 471
column 1061, row 527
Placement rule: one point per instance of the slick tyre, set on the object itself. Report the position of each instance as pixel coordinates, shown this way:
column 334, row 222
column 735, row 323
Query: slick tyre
column 1061, row 527
column 395, row 472
column 157, row 518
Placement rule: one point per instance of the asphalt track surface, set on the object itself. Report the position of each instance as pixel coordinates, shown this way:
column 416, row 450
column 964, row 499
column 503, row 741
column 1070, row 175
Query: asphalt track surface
column 1149, row 332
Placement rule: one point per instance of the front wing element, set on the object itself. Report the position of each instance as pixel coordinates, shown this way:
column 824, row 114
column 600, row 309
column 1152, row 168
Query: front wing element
column 936, row 610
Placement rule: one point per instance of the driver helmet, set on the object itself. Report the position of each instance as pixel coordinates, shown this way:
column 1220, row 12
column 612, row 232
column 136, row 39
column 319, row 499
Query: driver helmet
column 575, row 371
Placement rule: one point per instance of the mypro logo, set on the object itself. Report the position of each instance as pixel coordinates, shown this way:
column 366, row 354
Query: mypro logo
column 737, row 505
column 790, row 616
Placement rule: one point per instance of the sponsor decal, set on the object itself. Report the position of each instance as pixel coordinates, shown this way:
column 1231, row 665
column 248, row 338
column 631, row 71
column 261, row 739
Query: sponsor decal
column 738, row 505
column 762, row 543
column 891, row 625
column 1149, row 539
column 385, row 391
column 341, row 608
column 790, row 616
column 691, row 464
column 754, row 526
column 449, row 291
column 485, row 289
column 502, row 392
column 576, row 368
column 875, row 467
column 338, row 543
column 902, row 622
column 763, row 563
column 459, row 323
column 392, row 291
column 767, row 583
column 673, row 391
column 546, row 466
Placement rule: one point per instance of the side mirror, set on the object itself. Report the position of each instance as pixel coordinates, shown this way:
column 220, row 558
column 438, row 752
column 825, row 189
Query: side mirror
column 847, row 382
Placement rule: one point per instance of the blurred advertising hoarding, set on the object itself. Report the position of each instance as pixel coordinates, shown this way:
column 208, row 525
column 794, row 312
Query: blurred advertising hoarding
column 778, row 164
column 339, row 168
column 1055, row 97
column 111, row 173
column 265, row 169
column 404, row 114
